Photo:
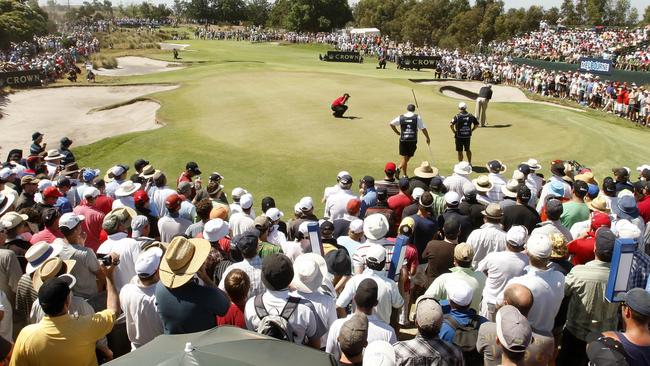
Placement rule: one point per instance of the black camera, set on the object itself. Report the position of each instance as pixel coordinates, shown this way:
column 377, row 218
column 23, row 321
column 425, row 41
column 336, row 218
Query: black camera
column 106, row 260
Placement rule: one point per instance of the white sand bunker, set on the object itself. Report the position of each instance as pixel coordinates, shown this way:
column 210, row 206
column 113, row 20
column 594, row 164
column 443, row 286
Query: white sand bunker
column 71, row 112
column 171, row 46
column 467, row 90
column 133, row 65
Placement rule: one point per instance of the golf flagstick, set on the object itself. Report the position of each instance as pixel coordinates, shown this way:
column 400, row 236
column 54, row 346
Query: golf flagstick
column 418, row 108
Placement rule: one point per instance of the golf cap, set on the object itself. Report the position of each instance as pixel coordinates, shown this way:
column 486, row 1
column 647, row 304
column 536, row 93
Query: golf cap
column 390, row 167
column 92, row 192
column 459, row 292
column 599, row 219
column 605, row 240
column 356, row 226
column 404, row 183
column 345, row 180
column 375, row 253
column 638, row 300
column 368, row 180
column 379, row 353
column 274, row 214
column 193, row 167
column 606, row 351
column 70, row 220
column 462, row 105
column 173, row 201
column 29, row 179
column 539, row 246
column 428, row 313
column 452, row 198
column 513, row 330
column 89, row 174
column 375, row 226
column 353, row 206
column 246, row 201
column 341, row 174
column 245, row 242
column 138, row 224
column 55, row 291
column 353, row 335
column 417, row 193
column 517, row 235
column 140, row 163
column 338, row 262
column 306, row 204
column 51, row 192
column 148, row 262
column 463, row 252
column 277, row 271
column 237, row 192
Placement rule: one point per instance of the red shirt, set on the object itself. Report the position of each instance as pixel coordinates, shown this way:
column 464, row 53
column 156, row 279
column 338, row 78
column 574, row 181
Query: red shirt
column 183, row 178
column 582, row 249
column 92, row 224
column 397, row 203
column 644, row 208
column 338, row 101
column 234, row 316
column 47, row 235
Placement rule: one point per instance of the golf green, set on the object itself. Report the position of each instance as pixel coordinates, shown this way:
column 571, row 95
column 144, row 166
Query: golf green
column 260, row 115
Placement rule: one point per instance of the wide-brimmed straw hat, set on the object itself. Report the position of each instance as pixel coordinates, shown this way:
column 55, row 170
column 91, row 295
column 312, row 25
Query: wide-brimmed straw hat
column 39, row 253
column 50, row 269
column 598, row 204
column 510, row 189
column 148, row 171
column 127, row 188
column 425, row 170
column 183, row 258
column 463, row 168
column 309, row 271
column 533, row 164
column 53, row 154
column 482, row 183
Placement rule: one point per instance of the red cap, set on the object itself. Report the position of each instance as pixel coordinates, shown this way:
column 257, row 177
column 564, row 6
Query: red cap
column 390, row 167
column 353, row 206
column 599, row 220
column 140, row 197
column 173, row 202
column 52, row 192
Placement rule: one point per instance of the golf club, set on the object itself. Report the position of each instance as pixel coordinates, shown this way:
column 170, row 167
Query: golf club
column 418, row 108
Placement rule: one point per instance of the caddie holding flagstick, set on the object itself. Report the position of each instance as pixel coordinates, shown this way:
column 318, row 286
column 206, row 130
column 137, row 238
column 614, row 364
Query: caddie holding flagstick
column 409, row 124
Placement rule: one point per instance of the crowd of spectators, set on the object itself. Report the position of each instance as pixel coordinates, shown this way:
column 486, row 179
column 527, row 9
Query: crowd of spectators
column 491, row 262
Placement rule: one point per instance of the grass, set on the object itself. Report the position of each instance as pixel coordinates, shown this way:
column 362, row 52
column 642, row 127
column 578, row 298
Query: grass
column 259, row 114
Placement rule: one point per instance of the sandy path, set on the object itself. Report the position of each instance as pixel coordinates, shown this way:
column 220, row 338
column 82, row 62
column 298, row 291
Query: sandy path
column 59, row 112
column 501, row 93
column 133, row 65
column 171, row 46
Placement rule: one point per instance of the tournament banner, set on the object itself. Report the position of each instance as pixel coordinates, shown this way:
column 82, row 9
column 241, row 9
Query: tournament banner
column 419, row 62
column 397, row 260
column 20, row 79
column 341, row 56
column 595, row 66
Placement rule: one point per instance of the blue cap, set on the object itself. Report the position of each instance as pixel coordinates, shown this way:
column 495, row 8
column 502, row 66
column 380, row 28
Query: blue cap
column 557, row 188
column 89, row 174
column 593, row 190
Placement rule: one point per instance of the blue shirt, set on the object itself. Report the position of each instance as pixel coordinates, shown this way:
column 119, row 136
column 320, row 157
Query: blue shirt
column 63, row 204
column 369, row 200
column 463, row 317
column 423, row 232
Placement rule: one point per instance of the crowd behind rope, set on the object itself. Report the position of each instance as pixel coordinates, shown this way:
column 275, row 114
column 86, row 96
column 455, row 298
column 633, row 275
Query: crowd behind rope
column 511, row 255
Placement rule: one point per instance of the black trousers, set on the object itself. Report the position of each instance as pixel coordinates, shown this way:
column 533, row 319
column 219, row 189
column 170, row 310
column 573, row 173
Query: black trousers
column 339, row 110
column 573, row 352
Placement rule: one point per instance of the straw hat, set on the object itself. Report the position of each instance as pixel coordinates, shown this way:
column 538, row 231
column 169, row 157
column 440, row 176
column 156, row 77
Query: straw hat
column 39, row 253
column 425, row 170
column 482, row 183
column 148, row 171
column 511, row 188
column 53, row 154
column 598, row 204
column 183, row 258
column 50, row 269
column 127, row 188
column 463, row 168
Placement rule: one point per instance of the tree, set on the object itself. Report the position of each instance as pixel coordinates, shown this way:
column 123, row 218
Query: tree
column 646, row 16
column 386, row 15
column 633, row 17
column 620, row 12
column 199, row 10
column 257, row 11
column 20, row 22
column 597, row 12
column 552, row 15
column 427, row 21
column 568, row 12
column 313, row 15
column 279, row 13
column 581, row 12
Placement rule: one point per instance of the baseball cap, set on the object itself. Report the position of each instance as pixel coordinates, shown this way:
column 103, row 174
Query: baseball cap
column 417, row 193
column 91, row 192
column 70, row 220
column 262, row 223
column 353, row 206
column 346, row 179
column 513, row 330
column 605, row 240
column 638, row 300
column 237, row 192
column 539, row 246
column 368, row 180
column 517, row 235
column 463, row 252
column 375, row 226
column 462, row 105
column 140, row 197
column 375, row 253
column 277, row 272
column 356, row 226
column 244, row 242
column 193, row 167
column 524, row 168
column 215, row 176
column 148, row 262
column 173, row 201
column 89, row 174
column 436, row 183
column 246, row 201
column 54, row 292
column 524, row 193
column 338, row 262
column 605, row 351
column 274, row 214
column 137, row 224
column 43, row 184
column 353, row 335
column 404, row 183
column 452, row 198
column 52, row 192
column 390, row 167
column 428, row 313
column 599, row 219
column 306, row 204
column 581, row 188
column 379, row 353
column 140, row 163
column 28, row 179
column 459, row 292
column 215, row 230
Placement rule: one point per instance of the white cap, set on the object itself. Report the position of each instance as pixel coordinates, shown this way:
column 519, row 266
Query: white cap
column 5, row 173
column 44, row 183
column 296, row 208
column 642, row 168
column 459, row 292
column 375, row 226
column 274, row 214
column 238, row 192
column 379, row 353
column 356, row 226
column 306, row 204
column 215, row 230
column 376, row 252
column 117, row 170
column 304, row 228
column 91, row 192
column 452, row 198
column 539, row 246
column 148, row 262
column 70, row 220
column 246, row 201
column 417, row 192
column 517, row 235
column 341, row 174
column 462, row 105
column 517, row 175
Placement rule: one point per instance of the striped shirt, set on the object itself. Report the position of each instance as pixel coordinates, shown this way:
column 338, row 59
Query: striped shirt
column 25, row 297
column 421, row 351
column 253, row 268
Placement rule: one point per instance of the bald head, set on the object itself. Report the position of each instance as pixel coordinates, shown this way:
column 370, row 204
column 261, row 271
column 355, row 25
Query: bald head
column 520, row 297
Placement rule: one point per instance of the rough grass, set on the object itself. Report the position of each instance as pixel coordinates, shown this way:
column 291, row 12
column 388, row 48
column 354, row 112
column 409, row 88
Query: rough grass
column 259, row 115
column 100, row 60
column 124, row 38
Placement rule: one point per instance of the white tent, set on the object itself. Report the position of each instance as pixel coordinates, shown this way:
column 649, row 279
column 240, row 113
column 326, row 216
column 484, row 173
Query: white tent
column 366, row 31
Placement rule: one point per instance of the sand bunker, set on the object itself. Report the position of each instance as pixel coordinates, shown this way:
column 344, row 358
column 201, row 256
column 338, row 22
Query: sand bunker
column 171, row 46
column 69, row 111
column 468, row 90
column 133, row 65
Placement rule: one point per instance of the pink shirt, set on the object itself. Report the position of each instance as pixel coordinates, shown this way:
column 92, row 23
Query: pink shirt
column 47, row 235
column 92, row 225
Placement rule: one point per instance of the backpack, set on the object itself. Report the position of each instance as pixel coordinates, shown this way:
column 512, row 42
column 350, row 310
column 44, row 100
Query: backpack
column 465, row 337
column 276, row 325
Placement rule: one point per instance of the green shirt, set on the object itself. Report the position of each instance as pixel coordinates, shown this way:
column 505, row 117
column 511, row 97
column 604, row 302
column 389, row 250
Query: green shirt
column 574, row 212
column 265, row 249
column 588, row 310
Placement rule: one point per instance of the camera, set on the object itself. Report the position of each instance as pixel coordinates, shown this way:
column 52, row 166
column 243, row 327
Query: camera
column 106, row 260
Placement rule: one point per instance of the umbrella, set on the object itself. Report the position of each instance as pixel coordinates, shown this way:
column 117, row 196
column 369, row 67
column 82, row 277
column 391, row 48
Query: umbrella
column 223, row 346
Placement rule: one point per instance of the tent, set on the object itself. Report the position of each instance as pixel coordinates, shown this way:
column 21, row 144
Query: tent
column 365, row 31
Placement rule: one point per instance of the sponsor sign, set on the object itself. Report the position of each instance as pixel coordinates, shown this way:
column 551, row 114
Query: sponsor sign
column 20, row 79
column 340, row 56
column 397, row 261
column 595, row 66
column 418, row 62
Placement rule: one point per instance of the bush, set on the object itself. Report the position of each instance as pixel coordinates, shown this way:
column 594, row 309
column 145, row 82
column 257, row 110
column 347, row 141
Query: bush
column 103, row 61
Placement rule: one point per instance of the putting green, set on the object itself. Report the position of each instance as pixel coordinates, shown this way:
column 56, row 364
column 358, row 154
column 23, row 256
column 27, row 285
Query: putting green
column 259, row 114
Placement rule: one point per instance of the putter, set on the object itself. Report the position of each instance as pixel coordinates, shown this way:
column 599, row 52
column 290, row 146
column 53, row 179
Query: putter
column 418, row 108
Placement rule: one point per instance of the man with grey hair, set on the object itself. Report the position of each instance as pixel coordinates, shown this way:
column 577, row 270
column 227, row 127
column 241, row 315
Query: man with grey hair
column 117, row 225
column 427, row 348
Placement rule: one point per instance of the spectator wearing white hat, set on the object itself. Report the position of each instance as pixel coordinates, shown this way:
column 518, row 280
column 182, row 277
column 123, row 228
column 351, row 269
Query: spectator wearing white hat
column 389, row 296
column 235, row 207
column 380, row 353
column 328, row 191
column 452, row 201
column 216, row 231
column 337, row 202
column 354, row 239
column 138, row 299
column 500, row 267
column 304, row 211
column 310, row 271
column 53, row 162
column 124, row 194
column 427, row 348
column 275, row 236
column 456, row 181
column 490, row 237
column 365, row 300
column 375, row 229
column 546, row 284
column 115, row 176
column 534, row 181
column 117, row 225
column 242, row 221
column 93, row 218
column 15, row 225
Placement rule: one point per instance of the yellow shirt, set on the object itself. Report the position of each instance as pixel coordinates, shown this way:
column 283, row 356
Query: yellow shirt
column 63, row 340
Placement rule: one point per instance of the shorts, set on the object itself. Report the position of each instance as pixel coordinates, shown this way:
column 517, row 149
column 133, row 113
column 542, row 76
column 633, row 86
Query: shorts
column 462, row 143
column 407, row 148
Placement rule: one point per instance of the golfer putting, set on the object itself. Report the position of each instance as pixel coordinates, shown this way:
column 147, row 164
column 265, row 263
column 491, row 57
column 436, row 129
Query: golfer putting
column 463, row 124
column 409, row 124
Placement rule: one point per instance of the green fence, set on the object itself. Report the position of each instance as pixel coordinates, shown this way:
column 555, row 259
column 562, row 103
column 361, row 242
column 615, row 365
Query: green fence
column 641, row 78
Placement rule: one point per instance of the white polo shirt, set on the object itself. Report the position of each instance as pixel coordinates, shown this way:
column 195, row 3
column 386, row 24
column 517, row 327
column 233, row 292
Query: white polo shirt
column 303, row 320
column 497, row 180
column 489, row 238
column 325, row 307
column 336, row 204
column 455, row 183
column 239, row 223
column 500, row 268
column 387, row 294
column 128, row 249
column 143, row 323
column 377, row 331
